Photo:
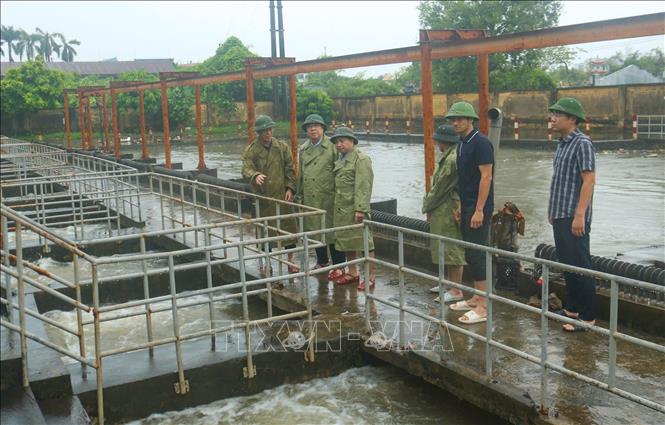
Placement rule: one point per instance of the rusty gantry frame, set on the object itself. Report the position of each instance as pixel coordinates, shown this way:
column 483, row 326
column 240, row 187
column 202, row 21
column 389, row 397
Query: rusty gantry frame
column 434, row 44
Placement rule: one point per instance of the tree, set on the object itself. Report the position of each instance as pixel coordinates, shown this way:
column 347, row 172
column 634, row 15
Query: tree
column 10, row 36
column 314, row 102
column 497, row 17
column 27, row 44
column 47, row 45
column 652, row 61
column 68, row 52
column 336, row 85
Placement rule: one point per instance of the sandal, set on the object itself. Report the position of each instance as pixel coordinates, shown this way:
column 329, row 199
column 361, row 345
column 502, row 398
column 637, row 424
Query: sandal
column 335, row 274
column 293, row 269
column 562, row 312
column 462, row 306
column 319, row 266
column 346, row 279
column 471, row 317
column 361, row 286
column 576, row 327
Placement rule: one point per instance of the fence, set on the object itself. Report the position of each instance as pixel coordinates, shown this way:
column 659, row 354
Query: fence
column 651, row 126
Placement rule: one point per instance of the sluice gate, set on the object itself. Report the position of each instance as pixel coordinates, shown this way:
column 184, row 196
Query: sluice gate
column 162, row 248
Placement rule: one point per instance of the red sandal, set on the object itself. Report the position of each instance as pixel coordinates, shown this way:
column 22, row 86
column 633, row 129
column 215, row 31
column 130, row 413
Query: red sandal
column 335, row 274
column 361, row 286
column 293, row 269
column 346, row 279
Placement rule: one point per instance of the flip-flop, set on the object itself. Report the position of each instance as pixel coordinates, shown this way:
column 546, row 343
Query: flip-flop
column 335, row 274
column 562, row 312
column 293, row 269
column 576, row 327
column 346, row 279
column 361, row 286
column 471, row 317
column 462, row 306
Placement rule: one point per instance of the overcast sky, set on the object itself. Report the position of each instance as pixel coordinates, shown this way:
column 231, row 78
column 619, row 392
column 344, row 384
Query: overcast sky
column 189, row 31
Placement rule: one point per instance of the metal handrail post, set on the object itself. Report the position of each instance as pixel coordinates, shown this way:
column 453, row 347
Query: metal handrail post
column 196, row 214
column 79, row 314
column 182, row 386
column 490, row 322
column 8, row 280
column 98, row 346
column 544, row 333
column 211, row 307
column 308, row 298
column 250, row 369
column 442, row 291
column 21, row 303
column 280, row 265
column 366, row 264
column 612, row 355
column 400, row 263
column 257, row 214
column 146, row 295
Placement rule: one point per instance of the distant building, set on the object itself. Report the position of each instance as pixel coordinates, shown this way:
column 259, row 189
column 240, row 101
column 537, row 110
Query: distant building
column 107, row 68
column 632, row 74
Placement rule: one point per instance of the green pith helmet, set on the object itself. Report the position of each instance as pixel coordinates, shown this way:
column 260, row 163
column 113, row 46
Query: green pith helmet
column 570, row 106
column 343, row 131
column 462, row 109
column 314, row 119
column 263, row 122
column 446, row 133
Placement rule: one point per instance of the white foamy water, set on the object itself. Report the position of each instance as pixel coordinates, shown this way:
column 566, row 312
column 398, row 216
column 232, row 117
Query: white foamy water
column 366, row 395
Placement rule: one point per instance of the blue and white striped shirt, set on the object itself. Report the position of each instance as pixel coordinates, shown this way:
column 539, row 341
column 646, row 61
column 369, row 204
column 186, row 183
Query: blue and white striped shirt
column 574, row 153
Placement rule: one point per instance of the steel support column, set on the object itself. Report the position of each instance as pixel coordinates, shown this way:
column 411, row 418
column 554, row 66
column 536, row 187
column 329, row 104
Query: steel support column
column 68, row 130
column 81, row 119
column 144, row 142
column 165, row 122
column 105, row 114
column 114, row 123
column 483, row 91
column 249, row 82
column 88, row 144
column 293, row 121
column 428, row 106
column 199, row 128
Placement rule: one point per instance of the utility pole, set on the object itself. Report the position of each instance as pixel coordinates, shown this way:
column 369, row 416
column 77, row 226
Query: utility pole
column 273, row 54
column 280, row 24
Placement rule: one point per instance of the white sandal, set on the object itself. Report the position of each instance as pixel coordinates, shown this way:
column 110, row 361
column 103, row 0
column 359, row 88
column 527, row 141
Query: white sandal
column 462, row 306
column 471, row 317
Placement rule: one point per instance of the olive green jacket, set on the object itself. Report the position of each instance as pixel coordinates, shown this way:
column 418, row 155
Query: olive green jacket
column 353, row 192
column 441, row 202
column 316, row 181
column 276, row 163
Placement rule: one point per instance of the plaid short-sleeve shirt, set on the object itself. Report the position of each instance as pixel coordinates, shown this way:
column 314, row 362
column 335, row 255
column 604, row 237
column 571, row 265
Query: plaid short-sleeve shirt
column 574, row 153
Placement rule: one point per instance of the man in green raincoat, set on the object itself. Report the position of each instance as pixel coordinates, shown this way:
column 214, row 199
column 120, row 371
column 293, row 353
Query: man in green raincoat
column 353, row 191
column 268, row 166
column 440, row 205
column 316, row 184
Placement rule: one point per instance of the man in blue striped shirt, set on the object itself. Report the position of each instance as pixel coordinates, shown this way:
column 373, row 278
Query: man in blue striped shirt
column 569, row 211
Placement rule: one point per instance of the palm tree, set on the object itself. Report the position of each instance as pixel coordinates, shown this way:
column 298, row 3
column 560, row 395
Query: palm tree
column 2, row 51
column 9, row 35
column 68, row 52
column 47, row 44
column 27, row 44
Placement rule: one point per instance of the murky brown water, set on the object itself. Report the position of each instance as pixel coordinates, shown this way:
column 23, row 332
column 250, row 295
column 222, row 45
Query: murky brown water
column 629, row 200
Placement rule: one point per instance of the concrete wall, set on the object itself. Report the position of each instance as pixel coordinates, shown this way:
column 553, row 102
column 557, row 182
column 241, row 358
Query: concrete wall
column 609, row 111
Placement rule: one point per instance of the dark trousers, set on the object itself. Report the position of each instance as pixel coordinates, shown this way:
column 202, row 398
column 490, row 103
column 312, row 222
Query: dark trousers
column 480, row 236
column 322, row 255
column 573, row 250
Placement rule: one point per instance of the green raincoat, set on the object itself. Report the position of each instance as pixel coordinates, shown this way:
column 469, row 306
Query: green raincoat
column 442, row 202
column 316, row 181
column 353, row 192
column 276, row 163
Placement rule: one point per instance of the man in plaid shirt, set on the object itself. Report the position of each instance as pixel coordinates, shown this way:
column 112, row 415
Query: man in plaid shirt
column 569, row 211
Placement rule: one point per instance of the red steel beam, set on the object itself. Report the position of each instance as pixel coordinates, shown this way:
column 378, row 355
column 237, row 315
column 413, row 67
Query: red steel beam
column 68, row 130
column 165, row 121
column 81, row 119
column 107, row 147
column 251, row 117
column 483, row 91
column 428, row 106
column 114, row 122
column 199, row 129
column 293, row 121
column 144, row 144
column 88, row 144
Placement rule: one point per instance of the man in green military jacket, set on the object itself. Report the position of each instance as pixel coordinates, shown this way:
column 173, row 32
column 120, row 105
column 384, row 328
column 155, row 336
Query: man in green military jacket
column 353, row 192
column 440, row 205
column 316, row 184
column 268, row 166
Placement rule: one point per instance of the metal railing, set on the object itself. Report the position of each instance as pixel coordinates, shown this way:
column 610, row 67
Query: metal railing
column 651, row 126
column 490, row 343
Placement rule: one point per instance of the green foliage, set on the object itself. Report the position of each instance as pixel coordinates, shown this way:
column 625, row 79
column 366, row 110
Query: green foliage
column 43, row 43
column 336, row 85
column 314, row 102
column 523, row 69
column 31, row 87
column 652, row 61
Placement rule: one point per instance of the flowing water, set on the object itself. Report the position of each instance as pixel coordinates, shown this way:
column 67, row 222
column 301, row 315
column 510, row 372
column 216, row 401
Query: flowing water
column 628, row 205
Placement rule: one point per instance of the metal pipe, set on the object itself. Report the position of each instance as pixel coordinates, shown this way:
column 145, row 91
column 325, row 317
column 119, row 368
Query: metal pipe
column 68, row 130
column 199, row 129
column 293, row 121
column 273, row 54
column 165, row 121
column 428, row 106
column 483, row 91
column 144, row 146
column 280, row 29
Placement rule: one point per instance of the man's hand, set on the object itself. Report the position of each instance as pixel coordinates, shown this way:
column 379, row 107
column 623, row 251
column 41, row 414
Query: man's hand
column 288, row 197
column 260, row 179
column 429, row 217
column 476, row 220
column 578, row 226
column 360, row 217
column 458, row 216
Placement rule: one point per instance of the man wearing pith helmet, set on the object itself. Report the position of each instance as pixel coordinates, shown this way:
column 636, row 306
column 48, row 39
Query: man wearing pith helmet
column 268, row 166
column 569, row 209
column 440, row 205
column 353, row 191
column 475, row 162
column 316, row 185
